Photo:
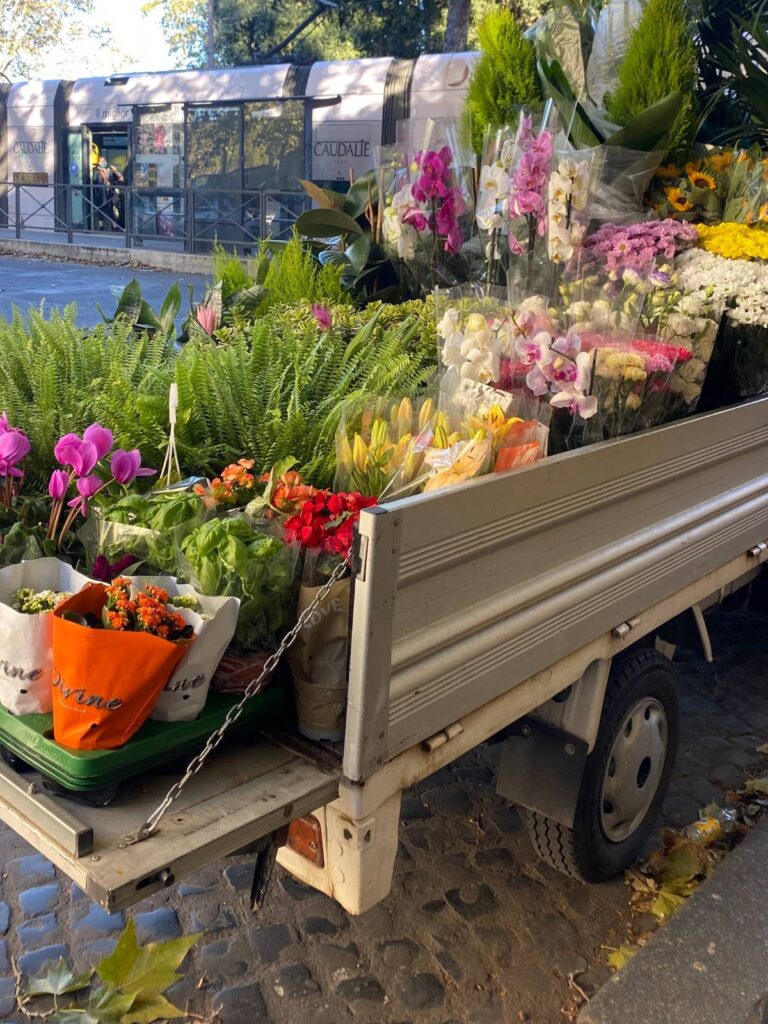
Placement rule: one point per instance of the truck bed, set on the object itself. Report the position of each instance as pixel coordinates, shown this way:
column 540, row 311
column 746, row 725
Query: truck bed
column 469, row 603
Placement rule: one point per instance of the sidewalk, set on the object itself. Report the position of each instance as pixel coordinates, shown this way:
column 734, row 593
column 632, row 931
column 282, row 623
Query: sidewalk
column 709, row 964
column 105, row 250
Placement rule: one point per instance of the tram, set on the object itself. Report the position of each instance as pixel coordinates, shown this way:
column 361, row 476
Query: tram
column 229, row 138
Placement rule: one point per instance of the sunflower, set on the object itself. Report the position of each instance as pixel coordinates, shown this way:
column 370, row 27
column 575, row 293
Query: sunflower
column 678, row 199
column 719, row 161
column 668, row 171
column 702, row 180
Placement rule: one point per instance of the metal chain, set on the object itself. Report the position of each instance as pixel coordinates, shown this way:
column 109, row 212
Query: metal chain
column 197, row 762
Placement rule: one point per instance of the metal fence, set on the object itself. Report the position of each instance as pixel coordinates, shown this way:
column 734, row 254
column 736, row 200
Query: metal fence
column 190, row 219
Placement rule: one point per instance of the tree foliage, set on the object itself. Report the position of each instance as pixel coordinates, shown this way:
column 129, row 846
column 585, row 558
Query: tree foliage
column 660, row 59
column 247, row 29
column 505, row 76
column 29, row 29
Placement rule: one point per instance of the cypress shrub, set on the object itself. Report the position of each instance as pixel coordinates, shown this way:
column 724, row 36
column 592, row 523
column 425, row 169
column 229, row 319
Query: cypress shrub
column 504, row 78
column 660, row 59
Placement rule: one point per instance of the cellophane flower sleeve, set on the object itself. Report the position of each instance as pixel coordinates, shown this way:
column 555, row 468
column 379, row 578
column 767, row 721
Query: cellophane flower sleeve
column 428, row 188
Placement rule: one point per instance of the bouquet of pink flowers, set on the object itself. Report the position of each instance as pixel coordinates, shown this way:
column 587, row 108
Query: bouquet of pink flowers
column 428, row 213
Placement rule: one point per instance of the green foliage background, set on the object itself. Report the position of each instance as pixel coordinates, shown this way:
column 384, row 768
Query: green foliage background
column 504, row 78
column 661, row 59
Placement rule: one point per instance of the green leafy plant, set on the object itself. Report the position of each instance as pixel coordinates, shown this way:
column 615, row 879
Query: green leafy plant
column 130, row 986
column 504, row 78
column 648, row 131
column 290, row 273
column 147, row 527
column 733, row 58
column 269, row 391
column 229, row 557
column 54, row 376
column 660, row 60
column 350, row 222
column 133, row 309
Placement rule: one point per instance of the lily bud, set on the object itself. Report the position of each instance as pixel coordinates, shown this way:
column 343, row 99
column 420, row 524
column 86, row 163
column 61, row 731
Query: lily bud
column 359, row 454
column 426, row 413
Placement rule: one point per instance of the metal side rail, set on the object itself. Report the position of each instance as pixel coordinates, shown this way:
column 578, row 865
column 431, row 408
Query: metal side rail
column 245, row 792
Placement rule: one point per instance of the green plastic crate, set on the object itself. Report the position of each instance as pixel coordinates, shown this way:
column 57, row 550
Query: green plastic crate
column 30, row 737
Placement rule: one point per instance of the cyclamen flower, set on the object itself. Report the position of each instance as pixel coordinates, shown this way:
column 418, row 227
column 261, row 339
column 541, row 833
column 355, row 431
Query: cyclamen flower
column 58, row 484
column 126, row 466
column 14, row 447
column 87, row 486
column 100, row 437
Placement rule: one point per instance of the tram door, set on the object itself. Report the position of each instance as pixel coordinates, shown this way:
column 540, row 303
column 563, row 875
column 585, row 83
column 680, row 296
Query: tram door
column 79, row 143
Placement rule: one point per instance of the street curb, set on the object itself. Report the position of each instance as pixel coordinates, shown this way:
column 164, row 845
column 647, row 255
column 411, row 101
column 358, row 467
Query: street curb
column 709, row 963
column 146, row 259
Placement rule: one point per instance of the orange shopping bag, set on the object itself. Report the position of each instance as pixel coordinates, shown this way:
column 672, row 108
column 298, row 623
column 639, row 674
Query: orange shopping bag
column 105, row 682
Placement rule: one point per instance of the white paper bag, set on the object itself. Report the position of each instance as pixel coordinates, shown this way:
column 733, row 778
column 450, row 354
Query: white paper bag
column 186, row 692
column 26, row 662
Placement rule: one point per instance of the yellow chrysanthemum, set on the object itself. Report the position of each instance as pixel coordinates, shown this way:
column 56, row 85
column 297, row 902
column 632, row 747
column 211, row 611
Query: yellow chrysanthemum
column 678, row 199
column 702, row 180
column 735, row 241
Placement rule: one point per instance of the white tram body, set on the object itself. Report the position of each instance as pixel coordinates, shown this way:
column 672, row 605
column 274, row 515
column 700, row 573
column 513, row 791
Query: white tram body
column 211, row 129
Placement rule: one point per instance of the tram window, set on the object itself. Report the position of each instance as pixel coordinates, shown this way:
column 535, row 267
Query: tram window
column 273, row 136
column 213, row 145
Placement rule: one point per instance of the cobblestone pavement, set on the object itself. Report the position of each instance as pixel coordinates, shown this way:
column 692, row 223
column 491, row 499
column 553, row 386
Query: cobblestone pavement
column 476, row 930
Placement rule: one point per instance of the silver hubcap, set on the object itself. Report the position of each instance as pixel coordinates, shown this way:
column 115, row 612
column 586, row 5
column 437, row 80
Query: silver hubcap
column 634, row 769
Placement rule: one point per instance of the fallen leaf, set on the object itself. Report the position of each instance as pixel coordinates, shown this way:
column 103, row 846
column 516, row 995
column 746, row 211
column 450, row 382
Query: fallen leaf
column 762, row 749
column 620, row 957
column 757, row 786
column 150, row 1008
column 59, row 979
column 666, row 903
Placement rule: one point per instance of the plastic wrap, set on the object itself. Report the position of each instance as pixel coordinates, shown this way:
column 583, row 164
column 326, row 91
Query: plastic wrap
column 373, row 444
column 614, row 27
column 426, row 180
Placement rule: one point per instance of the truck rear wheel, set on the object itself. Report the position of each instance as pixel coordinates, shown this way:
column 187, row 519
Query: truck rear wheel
column 625, row 777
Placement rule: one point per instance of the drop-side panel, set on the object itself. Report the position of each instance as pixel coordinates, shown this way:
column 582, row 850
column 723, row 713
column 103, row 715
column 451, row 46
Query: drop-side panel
column 473, row 590
column 244, row 792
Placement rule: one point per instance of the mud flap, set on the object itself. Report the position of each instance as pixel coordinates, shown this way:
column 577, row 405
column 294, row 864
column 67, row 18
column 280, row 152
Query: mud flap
column 541, row 768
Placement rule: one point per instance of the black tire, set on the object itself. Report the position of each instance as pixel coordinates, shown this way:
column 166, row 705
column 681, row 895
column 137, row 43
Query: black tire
column 585, row 851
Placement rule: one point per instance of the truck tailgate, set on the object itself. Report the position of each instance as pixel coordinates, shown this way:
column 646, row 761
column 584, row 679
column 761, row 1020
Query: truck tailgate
column 243, row 792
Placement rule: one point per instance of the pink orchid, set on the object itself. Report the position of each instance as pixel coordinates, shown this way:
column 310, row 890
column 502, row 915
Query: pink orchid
column 535, row 350
column 454, row 239
column 537, row 382
column 126, row 466
column 416, row 219
column 576, row 403
column 4, row 424
column 322, row 317
column 99, row 436
column 58, row 484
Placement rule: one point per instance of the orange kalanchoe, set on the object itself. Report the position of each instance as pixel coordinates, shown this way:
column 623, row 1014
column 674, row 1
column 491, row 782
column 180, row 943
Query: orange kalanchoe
column 233, row 487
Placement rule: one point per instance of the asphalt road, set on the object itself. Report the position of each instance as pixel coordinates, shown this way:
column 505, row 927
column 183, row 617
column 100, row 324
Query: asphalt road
column 30, row 282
